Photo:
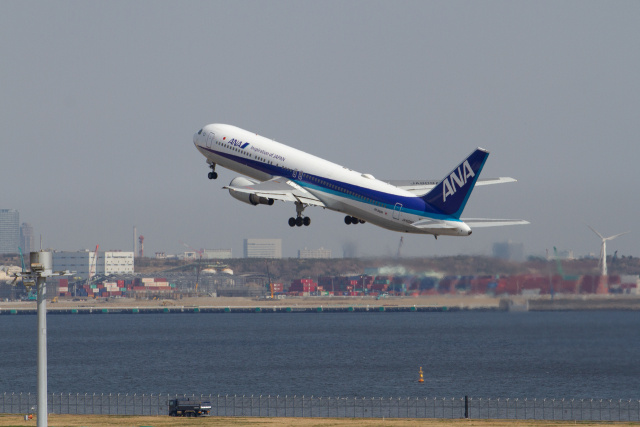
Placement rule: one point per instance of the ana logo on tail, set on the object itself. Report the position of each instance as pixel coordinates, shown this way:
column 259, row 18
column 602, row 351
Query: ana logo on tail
column 459, row 179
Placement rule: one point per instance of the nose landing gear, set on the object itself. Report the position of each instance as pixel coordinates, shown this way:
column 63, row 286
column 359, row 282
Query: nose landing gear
column 213, row 174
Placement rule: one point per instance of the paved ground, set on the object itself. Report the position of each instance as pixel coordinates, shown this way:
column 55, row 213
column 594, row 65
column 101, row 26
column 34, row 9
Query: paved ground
column 121, row 421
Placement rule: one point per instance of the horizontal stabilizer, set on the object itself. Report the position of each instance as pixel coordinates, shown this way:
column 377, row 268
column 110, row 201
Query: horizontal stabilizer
column 420, row 187
column 483, row 222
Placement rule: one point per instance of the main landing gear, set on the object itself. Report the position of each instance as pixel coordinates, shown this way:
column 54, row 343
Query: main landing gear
column 352, row 220
column 299, row 220
column 213, row 174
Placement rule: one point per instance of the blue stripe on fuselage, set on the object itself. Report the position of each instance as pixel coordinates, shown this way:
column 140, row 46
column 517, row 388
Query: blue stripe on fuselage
column 412, row 205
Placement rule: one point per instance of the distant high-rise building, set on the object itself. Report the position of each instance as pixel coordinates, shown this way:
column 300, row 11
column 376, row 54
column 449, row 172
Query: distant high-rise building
column 9, row 231
column 509, row 251
column 263, row 248
column 314, row 253
column 217, row 254
column 27, row 239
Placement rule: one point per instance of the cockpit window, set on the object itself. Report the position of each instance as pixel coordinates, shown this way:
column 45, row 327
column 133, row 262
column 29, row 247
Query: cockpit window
column 200, row 132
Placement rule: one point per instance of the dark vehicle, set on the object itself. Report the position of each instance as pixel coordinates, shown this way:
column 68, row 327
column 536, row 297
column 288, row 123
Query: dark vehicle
column 188, row 408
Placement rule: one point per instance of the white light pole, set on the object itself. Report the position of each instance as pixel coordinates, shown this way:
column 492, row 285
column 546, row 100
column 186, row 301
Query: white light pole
column 41, row 268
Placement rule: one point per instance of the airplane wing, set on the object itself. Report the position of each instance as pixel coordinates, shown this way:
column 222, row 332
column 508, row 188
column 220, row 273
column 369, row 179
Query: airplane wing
column 483, row 222
column 420, row 187
column 279, row 188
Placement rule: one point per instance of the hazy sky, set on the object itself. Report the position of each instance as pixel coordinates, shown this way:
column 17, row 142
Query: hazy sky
column 100, row 100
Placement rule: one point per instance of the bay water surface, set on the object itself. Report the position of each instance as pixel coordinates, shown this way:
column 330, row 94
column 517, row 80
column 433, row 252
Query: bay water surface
column 480, row 354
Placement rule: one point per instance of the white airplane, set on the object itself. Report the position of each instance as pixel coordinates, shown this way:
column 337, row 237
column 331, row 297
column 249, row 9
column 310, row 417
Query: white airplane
column 278, row 172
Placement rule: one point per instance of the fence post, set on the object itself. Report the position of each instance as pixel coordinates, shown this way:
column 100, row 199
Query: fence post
column 610, row 404
column 466, row 406
column 600, row 409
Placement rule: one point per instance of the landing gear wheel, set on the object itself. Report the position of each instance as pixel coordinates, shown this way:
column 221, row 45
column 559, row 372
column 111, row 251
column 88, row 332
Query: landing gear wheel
column 306, row 221
column 292, row 222
column 347, row 220
column 299, row 221
column 354, row 220
column 361, row 221
column 212, row 174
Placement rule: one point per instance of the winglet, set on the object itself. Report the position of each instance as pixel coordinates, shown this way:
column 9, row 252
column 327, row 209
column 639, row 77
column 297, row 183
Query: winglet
column 451, row 194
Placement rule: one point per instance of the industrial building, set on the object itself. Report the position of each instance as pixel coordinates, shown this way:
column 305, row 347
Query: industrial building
column 84, row 262
column 314, row 253
column 217, row 254
column 263, row 248
column 9, row 231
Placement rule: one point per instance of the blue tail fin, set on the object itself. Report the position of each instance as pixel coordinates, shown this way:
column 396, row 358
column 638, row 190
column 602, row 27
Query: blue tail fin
column 451, row 194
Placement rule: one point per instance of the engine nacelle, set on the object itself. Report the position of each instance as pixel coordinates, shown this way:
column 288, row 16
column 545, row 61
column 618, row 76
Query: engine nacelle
column 248, row 198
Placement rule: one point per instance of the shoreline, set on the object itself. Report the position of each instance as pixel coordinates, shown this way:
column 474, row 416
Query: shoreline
column 331, row 304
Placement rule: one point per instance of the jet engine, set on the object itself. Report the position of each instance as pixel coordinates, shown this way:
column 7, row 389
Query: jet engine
column 249, row 198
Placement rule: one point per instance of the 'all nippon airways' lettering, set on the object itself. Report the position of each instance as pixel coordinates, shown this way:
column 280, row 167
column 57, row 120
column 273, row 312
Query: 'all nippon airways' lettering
column 459, row 179
column 237, row 143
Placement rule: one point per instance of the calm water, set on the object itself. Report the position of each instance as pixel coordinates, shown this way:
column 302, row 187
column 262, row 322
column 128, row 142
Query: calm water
column 570, row 355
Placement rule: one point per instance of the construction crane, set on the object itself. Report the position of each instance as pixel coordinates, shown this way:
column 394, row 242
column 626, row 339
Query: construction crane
column 141, row 252
column 28, row 283
column 558, row 263
column 198, row 272
column 200, row 253
column 269, row 279
column 93, row 265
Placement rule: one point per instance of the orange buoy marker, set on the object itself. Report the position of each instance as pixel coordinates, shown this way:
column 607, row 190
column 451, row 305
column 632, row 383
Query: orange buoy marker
column 421, row 380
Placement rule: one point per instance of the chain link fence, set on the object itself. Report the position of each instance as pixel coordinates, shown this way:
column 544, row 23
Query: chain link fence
column 334, row 407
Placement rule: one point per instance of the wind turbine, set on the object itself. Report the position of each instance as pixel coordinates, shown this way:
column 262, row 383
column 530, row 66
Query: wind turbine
column 603, row 250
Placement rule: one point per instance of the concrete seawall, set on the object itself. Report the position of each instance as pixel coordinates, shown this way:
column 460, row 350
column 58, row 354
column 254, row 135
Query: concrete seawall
column 439, row 303
column 587, row 303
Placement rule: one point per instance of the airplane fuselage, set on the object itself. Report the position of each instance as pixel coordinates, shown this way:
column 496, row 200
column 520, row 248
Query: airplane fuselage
column 337, row 187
